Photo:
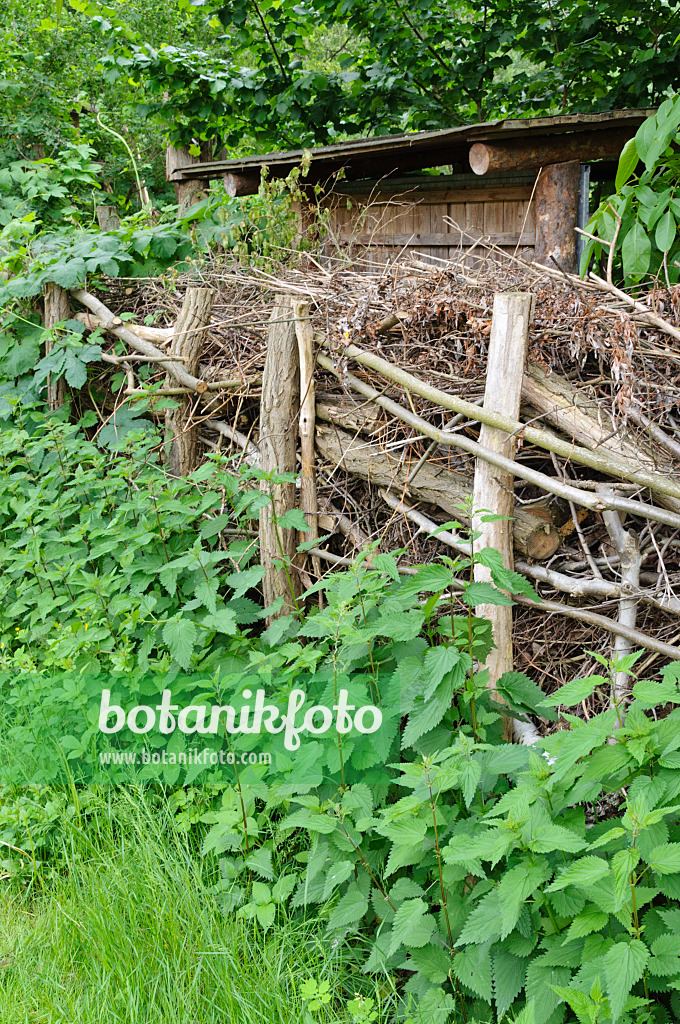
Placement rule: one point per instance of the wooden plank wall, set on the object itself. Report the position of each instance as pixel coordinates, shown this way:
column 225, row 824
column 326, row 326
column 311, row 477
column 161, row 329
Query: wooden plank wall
column 382, row 221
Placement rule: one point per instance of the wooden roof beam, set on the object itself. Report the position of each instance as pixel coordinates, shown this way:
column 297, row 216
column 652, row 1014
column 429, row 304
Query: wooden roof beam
column 529, row 153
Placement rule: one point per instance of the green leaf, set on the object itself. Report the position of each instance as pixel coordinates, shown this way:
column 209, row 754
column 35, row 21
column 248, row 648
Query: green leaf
column 223, row 620
column 664, row 235
column 623, row 863
column 484, row 922
column 293, row 519
column 573, row 692
column 636, row 251
column 542, row 977
column 245, row 580
column 180, row 636
column 350, row 909
column 665, row 859
column 624, row 965
column 590, row 920
column 260, row 860
column 265, row 914
column 651, row 694
column 628, row 161
column 509, row 975
column 472, row 967
column 412, row 925
column 478, row 592
column 665, row 959
column 584, row 871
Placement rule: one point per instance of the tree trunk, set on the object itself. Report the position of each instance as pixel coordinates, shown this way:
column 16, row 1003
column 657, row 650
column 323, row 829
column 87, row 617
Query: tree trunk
column 57, row 308
column 190, row 332
column 279, row 408
column 493, row 488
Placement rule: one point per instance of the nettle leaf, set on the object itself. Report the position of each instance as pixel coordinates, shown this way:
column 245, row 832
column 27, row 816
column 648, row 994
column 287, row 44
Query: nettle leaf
column 573, row 692
column 479, row 592
column 542, row 979
column 665, row 956
column 293, row 519
column 437, row 662
column 222, row 620
column 584, row 871
column 509, row 974
column 180, row 636
column 623, row 863
column 624, row 965
column 472, row 967
column 590, row 920
column 484, row 923
column 413, row 925
column 245, row 580
column 665, row 859
column 511, row 581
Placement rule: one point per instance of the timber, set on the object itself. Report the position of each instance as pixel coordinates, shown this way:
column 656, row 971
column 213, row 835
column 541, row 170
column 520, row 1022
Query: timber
column 529, row 154
column 107, row 218
column 308, row 502
column 189, row 336
column 533, row 536
column 241, row 184
column 279, row 409
column 493, row 489
column 191, row 190
column 556, row 203
column 57, row 308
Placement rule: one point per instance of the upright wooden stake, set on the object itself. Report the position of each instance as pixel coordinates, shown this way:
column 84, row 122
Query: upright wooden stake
column 57, row 308
column 189, row 191
column 556, row 201
column 493, row 488
column 107, row 218
column 189, row 336
column 278, row 441
column 308, row 503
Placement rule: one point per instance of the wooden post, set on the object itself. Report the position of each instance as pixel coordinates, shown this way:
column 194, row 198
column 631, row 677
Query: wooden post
column 279, row 407
column 190, row 332
column 107, row 218
column 556, row 203
column 57, row 308
column 308, row 502
column 493, row 488
column 189, row 191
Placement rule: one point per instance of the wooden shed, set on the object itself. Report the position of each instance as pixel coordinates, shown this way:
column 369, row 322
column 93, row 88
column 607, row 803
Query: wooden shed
column 521, row 184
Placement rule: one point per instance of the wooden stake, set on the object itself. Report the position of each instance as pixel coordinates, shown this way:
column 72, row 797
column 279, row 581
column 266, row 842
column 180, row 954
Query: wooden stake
column 107, row 218
column 493, row 488
column 190, row 332
column 57, row 308
column 308, row 501
column 278, row 436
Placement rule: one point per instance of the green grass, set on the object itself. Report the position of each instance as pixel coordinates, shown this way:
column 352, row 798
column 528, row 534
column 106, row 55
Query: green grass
column 129, row 932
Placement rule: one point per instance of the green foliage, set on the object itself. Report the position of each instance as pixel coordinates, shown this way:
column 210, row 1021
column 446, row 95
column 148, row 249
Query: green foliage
column 639, row 222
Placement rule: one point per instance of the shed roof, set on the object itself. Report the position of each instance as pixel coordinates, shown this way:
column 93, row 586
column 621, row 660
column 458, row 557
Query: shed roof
column 368, row 157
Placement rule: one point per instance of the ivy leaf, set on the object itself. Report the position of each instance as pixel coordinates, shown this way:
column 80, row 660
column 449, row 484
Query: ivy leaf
column 180, row 636
column 624, row 965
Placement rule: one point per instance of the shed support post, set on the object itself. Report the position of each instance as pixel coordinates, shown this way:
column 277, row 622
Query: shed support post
column 57, row 307
column 107, row 218
column 189, row 336
column 189, row 191
column 556, row 200
column 279, row 411
column 493, row 489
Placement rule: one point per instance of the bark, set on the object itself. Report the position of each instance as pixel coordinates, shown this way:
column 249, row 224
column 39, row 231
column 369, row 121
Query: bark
column 189, row 336
column 187, row 190
column 107, row 218
column 308, row 500
column 556, row 204
column 529, row 154
column 279, row 409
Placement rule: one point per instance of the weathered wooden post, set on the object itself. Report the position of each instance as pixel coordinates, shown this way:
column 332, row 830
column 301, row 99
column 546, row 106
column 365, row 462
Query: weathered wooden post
column 308, row 502
column 189, row 336
column 279, row 408
column 56, row 308
column 107, row 218
column 556, row 203
column 493, row 488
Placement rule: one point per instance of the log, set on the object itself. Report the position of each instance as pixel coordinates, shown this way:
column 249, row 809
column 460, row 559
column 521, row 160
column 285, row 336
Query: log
column 278, row 436
column 107, row 218
column 599, row 461
column 556, row 206
column 533, row 537
column 357, row 416
column 56, row 309
column 493, row 488
column 190, row 333
column 241, row 184
column 308, row 502
column 530, row 154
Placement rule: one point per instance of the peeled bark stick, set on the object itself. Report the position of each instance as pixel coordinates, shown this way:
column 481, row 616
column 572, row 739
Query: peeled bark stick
column 189, row 336
column 177, row 370
column 308, row 502
column 158, row 334
column 57, row 308
column 533, row 536
column 547, row 483
column 628, row 550
column 603, row 463
column 278, row 436
column 493, row 488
